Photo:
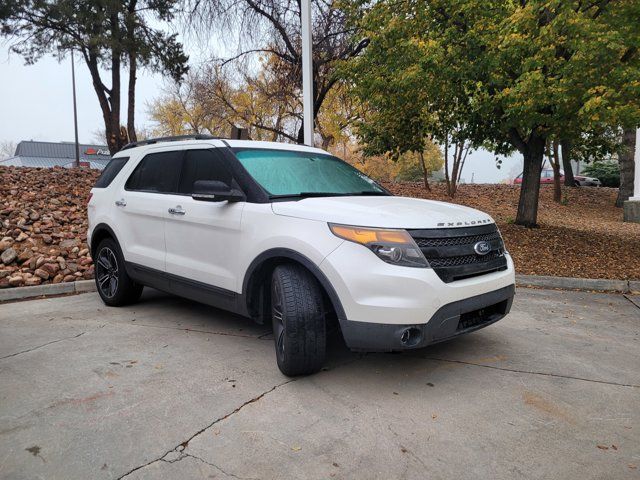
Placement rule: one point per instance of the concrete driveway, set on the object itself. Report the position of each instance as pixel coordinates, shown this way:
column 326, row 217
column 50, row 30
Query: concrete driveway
column 175, row 390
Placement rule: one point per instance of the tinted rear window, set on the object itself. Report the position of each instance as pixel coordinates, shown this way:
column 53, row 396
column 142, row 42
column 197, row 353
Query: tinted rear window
column 110, row 172
column 157, row 172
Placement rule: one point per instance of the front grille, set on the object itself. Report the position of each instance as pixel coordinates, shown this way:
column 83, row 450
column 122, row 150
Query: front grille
column 447, row 242
column 451, row 254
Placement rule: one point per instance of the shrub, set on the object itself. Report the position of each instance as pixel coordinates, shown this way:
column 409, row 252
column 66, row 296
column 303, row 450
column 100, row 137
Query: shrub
column 607, row 172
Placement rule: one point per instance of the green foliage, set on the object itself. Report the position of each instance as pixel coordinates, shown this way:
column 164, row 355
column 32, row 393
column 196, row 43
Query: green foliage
column 501, row 69
column 98, row 29
column 607, row 172
column 503, row 74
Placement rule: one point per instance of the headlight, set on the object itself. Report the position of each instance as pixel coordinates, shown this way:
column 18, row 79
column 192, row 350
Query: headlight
column 390, row 245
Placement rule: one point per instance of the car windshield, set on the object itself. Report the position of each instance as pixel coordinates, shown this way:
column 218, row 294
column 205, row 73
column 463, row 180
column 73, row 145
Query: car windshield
column 285, row 173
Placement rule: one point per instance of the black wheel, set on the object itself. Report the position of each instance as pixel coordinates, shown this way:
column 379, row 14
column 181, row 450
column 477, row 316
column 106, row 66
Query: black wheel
column 114, row 286
column 577, row 183
column 298, row 316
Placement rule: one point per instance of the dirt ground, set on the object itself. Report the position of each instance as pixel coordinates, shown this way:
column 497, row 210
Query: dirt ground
column 584, row 236
column 43, row 219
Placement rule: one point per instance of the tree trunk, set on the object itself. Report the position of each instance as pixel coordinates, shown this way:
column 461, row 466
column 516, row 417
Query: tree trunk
column 626, row 163
column 131, row 99
column 133, row 66
column 300, row 138
column 454, row 170
column 533, row 152
column 114, row 135
column 464, row 159
column 446, row 162
column 425, row 173
column 569, row 181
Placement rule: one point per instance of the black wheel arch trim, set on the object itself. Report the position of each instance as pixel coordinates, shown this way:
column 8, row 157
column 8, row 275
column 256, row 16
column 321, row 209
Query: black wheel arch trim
column 309, row 264
column 101, row 227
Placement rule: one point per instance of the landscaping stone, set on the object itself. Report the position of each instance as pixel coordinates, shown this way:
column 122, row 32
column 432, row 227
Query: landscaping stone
column 8, row 256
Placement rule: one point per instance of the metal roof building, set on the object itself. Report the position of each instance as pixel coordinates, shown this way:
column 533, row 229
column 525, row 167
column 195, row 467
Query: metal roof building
column 50, row 154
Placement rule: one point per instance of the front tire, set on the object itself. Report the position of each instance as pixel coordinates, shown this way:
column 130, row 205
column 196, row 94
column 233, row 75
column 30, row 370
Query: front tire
column 298, row 318
column 114, row 286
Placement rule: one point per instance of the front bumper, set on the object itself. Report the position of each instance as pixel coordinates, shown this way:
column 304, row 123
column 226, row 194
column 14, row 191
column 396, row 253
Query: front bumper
column 450, row 320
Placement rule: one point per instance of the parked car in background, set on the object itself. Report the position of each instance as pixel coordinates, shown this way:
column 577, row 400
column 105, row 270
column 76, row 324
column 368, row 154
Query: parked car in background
column 546, row 177
column 583, row 181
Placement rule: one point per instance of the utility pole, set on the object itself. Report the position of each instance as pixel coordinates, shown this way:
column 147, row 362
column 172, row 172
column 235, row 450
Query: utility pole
column 307, row 72
column 75, row 111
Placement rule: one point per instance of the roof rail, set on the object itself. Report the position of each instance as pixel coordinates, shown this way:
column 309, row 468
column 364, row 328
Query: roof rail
column 175, row 138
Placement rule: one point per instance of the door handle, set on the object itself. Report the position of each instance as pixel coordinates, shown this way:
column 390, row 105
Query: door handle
column 177, row 210
column 121, row 203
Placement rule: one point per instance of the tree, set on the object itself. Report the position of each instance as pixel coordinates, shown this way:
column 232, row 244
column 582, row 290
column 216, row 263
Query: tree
column 415, row 166
column 108, row 34
column 408, row 167
column 566, row 145
column 461, row 148
column 7, row 149
column 270, row 29
column 513, row 74
column 181, row 110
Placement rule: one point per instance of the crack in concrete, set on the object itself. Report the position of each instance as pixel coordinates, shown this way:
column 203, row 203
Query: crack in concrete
column 635, row 303
column 43, row 345
column 546, row 374
column 182, row 446
column 224, row 472
column 179, row 449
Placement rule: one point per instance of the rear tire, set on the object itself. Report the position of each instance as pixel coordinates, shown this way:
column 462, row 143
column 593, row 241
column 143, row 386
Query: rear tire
column 298, row 317
column 114, row 286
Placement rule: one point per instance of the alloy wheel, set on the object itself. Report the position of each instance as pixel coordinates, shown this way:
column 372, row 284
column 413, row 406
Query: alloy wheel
column 107, row 272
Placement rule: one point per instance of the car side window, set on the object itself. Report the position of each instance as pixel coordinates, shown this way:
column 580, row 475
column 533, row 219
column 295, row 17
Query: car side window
column 202, row 165
column 157, row 172
column 110, row 172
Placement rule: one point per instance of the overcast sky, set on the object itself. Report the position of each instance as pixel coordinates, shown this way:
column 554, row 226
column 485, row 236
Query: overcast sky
column 36, row 104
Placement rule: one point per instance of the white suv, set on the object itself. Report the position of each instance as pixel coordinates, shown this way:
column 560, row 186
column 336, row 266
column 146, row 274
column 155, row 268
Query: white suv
column 292, row 235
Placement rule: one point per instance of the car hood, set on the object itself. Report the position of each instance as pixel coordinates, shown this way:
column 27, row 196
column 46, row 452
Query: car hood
column 384, row 212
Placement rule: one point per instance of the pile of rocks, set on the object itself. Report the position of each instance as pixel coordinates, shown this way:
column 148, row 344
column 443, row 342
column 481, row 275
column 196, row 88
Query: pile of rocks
column 43, row 225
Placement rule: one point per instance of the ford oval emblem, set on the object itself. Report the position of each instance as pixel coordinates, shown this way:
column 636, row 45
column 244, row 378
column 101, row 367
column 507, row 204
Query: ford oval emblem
column 482, row 248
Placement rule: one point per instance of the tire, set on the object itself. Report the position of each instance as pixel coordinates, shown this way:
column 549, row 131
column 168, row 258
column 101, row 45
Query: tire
column 298, row 317
column 577, row 183
column 114, row 286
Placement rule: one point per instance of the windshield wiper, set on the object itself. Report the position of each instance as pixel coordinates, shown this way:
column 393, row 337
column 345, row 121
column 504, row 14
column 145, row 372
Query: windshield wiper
column 372, row 193
column 326, row 194
column 308, row 194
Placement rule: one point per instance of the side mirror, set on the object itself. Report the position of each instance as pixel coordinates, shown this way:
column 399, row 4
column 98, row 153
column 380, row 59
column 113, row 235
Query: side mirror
column 215, row 191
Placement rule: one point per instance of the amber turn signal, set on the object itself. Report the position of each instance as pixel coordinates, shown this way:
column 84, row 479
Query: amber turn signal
column 366, row 236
